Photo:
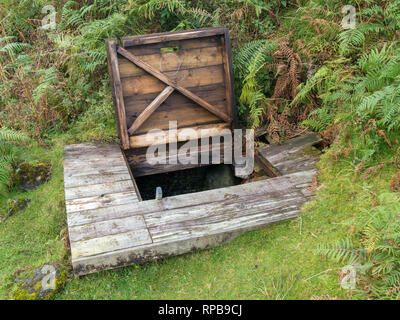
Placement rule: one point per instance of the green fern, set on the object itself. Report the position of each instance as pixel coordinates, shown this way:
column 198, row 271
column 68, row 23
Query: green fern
column 377, row 253
column 249, row 60
column 150, row 8
column 341, row 251
column 8, row 154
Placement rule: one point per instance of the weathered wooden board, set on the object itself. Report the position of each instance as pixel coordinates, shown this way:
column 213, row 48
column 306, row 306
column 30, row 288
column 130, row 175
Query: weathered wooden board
column 96, row 177
column 110, row 227
column 142, row 166
column 179, row 135
column 294, row 155
column 194, row 221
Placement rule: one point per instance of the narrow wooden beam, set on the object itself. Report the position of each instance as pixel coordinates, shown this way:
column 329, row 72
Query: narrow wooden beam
column 227, row 74
column 154, row 72
column 182, row 134
column 269, row 169
column 150, row 109
column 116, row 89
column 172, row 36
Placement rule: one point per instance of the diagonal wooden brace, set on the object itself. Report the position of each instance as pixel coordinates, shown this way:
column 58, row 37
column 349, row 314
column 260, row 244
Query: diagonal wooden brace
column 150, row 109
column 162, row 77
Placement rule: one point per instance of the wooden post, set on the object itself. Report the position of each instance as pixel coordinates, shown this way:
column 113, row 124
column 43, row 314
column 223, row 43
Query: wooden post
column 159, row 193
column 117, row 94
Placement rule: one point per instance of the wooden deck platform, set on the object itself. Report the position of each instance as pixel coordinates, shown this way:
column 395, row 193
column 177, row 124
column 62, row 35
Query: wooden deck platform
column 109, row 226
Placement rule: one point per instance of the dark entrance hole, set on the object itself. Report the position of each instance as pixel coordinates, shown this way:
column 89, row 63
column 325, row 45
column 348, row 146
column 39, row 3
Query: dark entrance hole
column 187, row 181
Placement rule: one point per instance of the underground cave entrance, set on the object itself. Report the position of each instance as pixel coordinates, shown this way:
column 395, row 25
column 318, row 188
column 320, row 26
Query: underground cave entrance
column 187, row 181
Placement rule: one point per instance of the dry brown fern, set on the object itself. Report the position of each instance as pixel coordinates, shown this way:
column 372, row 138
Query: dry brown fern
column 288, row 77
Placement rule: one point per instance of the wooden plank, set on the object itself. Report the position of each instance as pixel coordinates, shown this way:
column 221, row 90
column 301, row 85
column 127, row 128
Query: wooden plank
column 178, row 108
column 171, row 36
column 99, row 189
column 148, row 84
column 87, row 148
column 178, row 135
column 269, row 169
column 108, row 200
column 188, row 44
column 186, row 116
column 229, row 80
column 212, row 92
column 173, row 62
column 106, row 228
column 142, row 167
column 92, row 179
column 150, row 109
column 173, row 244
column 116, row 87
column 93, row 153
column 294, row 155
column 133, row 179
column 168, row 82
column 273, row 188
column 141, row 254
column 78, row 218
column 232, row 214
column 103, row 162
column 109, row 243
column 86, row 170
column 96, row 155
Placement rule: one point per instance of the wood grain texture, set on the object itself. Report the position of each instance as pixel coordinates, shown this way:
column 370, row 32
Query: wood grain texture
column 171, row 63
column 141, row 165
column 97, row 179
column 114, row 228
column 150, row 109
column 147, row 84
column 172, row 36
column 182, row 134
column 187, row 44
column 269, row 169
column 116, row 88
column 184, row 223
column 163, row 78
column 177, row 108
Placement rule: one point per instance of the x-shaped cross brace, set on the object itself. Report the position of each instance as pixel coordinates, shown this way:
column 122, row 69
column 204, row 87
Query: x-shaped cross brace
column 171, row 86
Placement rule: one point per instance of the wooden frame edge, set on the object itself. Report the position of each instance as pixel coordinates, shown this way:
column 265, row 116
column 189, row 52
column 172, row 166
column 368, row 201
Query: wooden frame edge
column 116, row 89
column 171, row 36
column 229, row 66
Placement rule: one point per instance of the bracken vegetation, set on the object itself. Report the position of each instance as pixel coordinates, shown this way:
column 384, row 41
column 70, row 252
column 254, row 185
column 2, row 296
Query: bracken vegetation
column 295, row 69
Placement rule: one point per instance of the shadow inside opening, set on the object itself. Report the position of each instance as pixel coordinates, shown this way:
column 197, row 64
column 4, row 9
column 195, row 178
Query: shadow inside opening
column 187, row 181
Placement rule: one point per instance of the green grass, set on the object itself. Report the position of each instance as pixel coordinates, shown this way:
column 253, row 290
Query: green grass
column 279, row 261
column 32, row 237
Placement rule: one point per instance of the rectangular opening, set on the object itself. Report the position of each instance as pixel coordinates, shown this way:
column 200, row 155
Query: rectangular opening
column 187, row 181
column 175, row 178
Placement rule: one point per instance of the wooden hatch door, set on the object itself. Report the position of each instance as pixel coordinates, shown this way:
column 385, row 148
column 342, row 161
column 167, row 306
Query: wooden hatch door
column 176, row 76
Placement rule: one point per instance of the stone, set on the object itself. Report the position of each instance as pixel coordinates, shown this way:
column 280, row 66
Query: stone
column 15, row 206
column 30, row 175
column 38, row 284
